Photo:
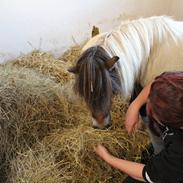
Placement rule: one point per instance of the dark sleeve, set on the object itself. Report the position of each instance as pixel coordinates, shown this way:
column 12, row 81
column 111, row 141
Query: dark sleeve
column 149, row 175
column 163, row 168
column 156, row 168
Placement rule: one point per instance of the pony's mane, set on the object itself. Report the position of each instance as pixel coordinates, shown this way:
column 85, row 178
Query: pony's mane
column 133, row 41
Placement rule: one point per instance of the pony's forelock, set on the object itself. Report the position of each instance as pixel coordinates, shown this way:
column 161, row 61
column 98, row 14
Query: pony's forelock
column 93, row 81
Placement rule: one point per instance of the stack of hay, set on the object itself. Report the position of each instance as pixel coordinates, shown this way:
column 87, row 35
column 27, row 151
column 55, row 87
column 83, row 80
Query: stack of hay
column 45, row 129
column 45, row 63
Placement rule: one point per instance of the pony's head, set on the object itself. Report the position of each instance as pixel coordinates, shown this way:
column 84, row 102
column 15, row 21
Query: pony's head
column 96, row 81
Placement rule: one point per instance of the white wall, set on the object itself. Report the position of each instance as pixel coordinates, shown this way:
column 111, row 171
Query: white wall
column 55, row 25
column 176, row 9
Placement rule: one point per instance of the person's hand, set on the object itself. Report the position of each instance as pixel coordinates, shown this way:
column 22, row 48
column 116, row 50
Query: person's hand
column 131, row 119
column 101, row 151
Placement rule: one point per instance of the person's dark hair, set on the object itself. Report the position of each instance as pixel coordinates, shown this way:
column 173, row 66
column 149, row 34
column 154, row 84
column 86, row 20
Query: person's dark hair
column 166, row 101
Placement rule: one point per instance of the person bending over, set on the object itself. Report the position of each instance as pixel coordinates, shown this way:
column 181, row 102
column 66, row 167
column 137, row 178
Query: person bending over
column 164, row 107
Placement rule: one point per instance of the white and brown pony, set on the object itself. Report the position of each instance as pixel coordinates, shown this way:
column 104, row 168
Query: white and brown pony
column 134, row 52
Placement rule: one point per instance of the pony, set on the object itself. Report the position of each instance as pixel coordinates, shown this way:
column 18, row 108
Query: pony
column 134, row 52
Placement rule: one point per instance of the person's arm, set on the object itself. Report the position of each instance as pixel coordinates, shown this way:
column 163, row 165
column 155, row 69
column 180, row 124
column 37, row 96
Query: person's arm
column 133, row 169
column 142, row 97
column 132, row 114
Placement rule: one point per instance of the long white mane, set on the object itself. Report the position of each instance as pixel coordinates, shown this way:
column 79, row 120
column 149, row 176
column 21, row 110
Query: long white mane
column 138, row 44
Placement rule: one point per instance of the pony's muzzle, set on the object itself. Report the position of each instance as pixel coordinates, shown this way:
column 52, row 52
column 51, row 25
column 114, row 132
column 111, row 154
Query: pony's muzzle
column 106, row 123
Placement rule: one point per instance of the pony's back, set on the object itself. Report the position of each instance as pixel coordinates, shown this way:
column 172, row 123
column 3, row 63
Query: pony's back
column 146, row 47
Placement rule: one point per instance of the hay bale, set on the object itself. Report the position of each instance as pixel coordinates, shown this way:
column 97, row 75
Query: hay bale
column 72, row 54
column 76, row 147
column 37, row 166
column 118, row 111
column 45, row 129
column 46, row 64
column 66, row 155
column 72, row 155
column 28, row 102
column 32, row 106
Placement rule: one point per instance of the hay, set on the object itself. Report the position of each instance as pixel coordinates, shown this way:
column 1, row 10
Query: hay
column 118, row 111
column 76, row 147
column 31, row 107
column 72, row 54
column 46, row 135
column 45, row 63
column 29, row 102
column 38, row 166
column 71, row 153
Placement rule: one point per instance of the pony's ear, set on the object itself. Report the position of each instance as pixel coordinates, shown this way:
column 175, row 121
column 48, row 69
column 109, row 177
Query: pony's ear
column 109, row 63
column 73, row 69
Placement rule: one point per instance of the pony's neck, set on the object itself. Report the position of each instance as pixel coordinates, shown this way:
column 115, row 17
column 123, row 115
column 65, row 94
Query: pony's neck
column 133, row 42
